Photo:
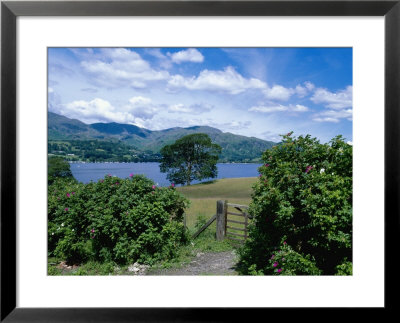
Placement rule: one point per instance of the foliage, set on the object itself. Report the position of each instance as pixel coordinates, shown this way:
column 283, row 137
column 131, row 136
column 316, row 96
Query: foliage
column 302, row 208
column 100, row 151
column 58, row 168
column 119, row 220
column 189, row 158
column 344, row 269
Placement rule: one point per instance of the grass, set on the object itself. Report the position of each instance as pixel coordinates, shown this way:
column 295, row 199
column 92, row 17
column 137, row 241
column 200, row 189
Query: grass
column 204, row 196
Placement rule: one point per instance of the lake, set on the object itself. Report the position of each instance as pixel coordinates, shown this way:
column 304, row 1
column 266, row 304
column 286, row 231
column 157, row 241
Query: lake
column 86, row 172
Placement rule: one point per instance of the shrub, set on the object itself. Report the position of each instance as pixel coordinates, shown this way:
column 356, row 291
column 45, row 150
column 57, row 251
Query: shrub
column 120, row 220
column 58, row 168
column 302, row 208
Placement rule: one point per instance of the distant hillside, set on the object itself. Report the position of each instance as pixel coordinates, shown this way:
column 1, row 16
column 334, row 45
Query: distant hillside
column 235, row 148
column 60, row 127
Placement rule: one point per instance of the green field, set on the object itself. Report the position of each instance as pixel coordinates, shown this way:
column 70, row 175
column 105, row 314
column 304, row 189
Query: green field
column 204, row 197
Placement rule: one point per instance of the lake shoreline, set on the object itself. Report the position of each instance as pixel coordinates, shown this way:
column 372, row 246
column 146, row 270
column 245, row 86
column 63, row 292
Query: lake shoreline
column 150, row 162
column 87, row 172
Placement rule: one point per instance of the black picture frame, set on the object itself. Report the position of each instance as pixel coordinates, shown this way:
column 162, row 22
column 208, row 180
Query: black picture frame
column 10, row 10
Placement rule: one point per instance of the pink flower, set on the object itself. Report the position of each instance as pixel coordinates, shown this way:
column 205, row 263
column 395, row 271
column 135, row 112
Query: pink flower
column 73, row 193
column 308, row 168
column 284, row 242
column 172, row 185
column 275, row 264
column 92, row 236
column 279, row 270
column 117, row 183
column 66, row 209
column 68, row 195
column 153, row 187
column 92, row 230
column 273, row 256
column 131, row 174
column 266, row 165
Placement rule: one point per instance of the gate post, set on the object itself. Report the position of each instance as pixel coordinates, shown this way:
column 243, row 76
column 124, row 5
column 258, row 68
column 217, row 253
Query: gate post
column 221, row 219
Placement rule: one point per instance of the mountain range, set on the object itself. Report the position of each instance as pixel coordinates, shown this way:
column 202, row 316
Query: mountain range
column 235, row 148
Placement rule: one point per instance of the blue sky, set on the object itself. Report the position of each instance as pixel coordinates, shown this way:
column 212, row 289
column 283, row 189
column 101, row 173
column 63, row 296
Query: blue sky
column 260, row 92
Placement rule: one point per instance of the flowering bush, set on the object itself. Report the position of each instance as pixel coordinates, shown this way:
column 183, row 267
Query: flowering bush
column 302, row 208
column 121, row 220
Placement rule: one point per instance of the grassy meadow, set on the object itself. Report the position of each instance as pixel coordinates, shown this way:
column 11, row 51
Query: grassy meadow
column 204, row 196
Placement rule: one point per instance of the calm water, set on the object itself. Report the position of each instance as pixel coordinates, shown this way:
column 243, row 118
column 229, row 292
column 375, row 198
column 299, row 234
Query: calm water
column 86, row 172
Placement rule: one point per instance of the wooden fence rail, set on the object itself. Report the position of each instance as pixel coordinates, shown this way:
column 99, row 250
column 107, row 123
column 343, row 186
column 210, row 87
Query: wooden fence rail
column 205, row 226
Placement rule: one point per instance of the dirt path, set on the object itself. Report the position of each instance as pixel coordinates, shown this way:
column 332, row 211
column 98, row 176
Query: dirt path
column 208, row 263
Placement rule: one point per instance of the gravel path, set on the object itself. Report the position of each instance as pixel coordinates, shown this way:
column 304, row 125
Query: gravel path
column 208, row 263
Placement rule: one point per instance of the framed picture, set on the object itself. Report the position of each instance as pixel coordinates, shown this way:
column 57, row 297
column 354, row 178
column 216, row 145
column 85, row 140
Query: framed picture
column 31, row 34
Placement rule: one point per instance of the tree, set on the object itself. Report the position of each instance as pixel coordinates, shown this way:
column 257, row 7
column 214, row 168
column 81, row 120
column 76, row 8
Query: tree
column 190, row 157
column 58, row 167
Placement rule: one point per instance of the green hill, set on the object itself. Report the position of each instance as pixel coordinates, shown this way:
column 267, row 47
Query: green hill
column 235, row 148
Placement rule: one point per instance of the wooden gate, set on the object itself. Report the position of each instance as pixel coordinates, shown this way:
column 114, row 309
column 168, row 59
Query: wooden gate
column 237, row 222
column 231, row 225
column 232, row 221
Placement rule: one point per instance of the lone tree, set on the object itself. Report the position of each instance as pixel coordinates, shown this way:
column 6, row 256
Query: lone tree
column 190, row 157
column 58, row 167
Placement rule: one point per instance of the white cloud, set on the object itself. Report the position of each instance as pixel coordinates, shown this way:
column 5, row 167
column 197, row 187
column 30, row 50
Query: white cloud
column 163, row 60
column 137, row 111
column 301, row 91
column 192, row 109
column 188, row 55
column 299, row 108
column 139, row 100
column 96, row 110
column 309, row 86
column 279, row 108
column 142, row 107
column 120, row 67
column 227, row 80
column 156, row 52
column 278, row 92
column 235, row 125
column 281, row 93
column 334, row 115
column 339, row 100
column 268, row 109
column 305, row 89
